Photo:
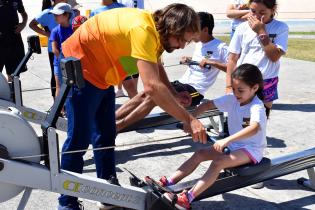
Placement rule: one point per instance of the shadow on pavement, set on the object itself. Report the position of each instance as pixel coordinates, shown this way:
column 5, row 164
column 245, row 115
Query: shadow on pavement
column 295, row 107
column 151, row 150
column 237, row 202
column 275, row 143
column 283, row 184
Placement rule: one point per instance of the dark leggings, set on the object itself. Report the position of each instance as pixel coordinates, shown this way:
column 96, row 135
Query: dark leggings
column 52, row 79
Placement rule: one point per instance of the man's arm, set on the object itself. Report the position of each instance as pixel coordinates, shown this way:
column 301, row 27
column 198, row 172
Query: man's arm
column 22, row 25
column 164, row 78
column 154, row 87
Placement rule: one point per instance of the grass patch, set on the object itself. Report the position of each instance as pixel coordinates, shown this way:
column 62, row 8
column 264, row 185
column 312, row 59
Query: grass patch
column 302, row 33
column 301, row 49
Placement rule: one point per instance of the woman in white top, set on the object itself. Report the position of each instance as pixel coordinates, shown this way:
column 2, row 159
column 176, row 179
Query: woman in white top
column 260, row 41
column 247, row 140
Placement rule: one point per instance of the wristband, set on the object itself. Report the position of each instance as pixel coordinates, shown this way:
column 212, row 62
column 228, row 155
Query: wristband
column 264, row 39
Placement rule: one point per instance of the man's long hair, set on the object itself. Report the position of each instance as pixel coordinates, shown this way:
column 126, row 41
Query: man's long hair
column 176, row 19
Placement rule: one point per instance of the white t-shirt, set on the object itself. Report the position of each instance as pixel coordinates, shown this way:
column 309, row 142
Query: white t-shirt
column 237, row 4
column 132, row 3
column 240, row 116
column 246, row 43
column 202, row 78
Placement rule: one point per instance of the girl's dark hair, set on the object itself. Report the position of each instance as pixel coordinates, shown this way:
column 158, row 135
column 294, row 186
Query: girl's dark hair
column 46, row 4
column 206, row 20
column 176, row 19
column 270, row 4
column 251, row 75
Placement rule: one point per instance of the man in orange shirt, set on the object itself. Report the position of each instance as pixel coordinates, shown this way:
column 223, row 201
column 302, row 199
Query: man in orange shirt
column 111, row 46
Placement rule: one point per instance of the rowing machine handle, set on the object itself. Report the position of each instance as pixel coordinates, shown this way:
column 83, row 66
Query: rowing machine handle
column 212, row 140
column 195, row 63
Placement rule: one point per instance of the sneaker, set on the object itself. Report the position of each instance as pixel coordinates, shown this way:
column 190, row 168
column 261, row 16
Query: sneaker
column 163, row 181
column 258, row 185
column 105, row 206
column 78, row 206
column 120, row 93
column 179, row 200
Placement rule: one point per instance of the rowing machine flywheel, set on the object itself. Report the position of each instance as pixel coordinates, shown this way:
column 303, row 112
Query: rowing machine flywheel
column 17, row 139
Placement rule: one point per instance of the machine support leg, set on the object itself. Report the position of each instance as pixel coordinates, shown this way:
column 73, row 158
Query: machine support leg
column 310, row 182
column 24, row 199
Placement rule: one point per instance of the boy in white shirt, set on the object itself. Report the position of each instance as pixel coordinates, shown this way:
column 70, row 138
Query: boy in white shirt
column 194, row 83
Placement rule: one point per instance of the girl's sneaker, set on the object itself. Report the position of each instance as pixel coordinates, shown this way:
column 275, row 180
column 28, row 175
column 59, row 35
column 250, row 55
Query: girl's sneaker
column 163, row 181
column 180, row 201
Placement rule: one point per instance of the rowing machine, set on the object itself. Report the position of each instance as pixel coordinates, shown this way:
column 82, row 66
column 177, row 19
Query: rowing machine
column 159, row 119
column 18, row 175
column 11, row 93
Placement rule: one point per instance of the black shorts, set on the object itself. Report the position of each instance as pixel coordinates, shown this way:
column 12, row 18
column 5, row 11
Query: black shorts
column 134, row 76
column 11, row 53
column 195, row 95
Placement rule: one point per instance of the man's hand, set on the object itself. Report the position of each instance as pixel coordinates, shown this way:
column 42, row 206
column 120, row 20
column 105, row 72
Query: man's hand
column 184, row 98
column 220, row 145
column 196, row 130
column 19, row 27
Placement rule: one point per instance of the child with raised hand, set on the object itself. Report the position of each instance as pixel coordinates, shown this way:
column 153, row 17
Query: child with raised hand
column 247, row 140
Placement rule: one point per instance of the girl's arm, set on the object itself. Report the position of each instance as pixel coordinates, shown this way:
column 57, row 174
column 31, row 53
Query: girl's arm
column 233, row 12
column 249, row 131
column 231, row 65
column 34, row 25
column 203, row 107
column 55, row 50
column 57, row 85
column 271, row 50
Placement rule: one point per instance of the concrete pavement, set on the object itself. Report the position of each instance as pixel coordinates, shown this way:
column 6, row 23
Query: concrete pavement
column 290, row 128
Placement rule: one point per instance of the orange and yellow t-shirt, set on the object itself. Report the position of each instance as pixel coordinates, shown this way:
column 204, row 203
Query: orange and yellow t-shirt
column 109, row 44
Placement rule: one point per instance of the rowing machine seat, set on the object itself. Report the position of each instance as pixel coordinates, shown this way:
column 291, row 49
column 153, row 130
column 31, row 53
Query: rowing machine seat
column 250, row 169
